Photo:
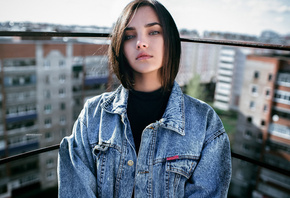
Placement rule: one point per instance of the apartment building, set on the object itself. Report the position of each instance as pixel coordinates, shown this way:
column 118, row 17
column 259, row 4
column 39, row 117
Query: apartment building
column 44, row 85
column 207, row 62
column 230, row 74
column 188, row 59
column 263, row 128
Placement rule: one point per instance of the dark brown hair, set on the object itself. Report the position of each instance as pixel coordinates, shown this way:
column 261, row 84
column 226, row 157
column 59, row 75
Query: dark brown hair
column 172, row 47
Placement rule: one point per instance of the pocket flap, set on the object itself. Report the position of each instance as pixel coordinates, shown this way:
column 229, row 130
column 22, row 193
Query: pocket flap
column 182, row 166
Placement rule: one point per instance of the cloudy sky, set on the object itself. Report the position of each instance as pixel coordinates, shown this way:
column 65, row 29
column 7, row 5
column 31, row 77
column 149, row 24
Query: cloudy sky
column 236, row 16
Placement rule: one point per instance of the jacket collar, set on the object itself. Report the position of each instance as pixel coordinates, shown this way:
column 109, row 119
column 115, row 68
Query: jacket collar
column 173, row 117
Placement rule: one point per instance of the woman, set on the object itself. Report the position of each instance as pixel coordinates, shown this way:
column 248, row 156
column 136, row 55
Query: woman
column 146, row 139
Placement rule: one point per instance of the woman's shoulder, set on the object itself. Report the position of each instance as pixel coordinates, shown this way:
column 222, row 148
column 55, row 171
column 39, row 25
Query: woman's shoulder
column 197, row 104
column 97, row 100
column 200, row 112
column 93, row 105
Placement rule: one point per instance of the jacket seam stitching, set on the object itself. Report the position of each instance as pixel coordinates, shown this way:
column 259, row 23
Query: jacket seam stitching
column 214, row 136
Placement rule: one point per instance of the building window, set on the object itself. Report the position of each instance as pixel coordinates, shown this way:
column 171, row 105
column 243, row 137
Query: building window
column 249, row 119
column 62, row 78
column 47, row 108
column 252, row 105
column 48, row 136
column 270, row 77
column 246, row 147
column 76, row 75
column 62, row 106
column 62, row 120
column 282, row 97
column 61, row 92
column 50, row 175
column 267, row 93
column 248, row 134
column 263, row 123
column 46, row 63
column 49, row 163
column 47, row 122
column 254, row 90
column 256, row 74
column 265, row 108
column 62, row 63
column 11, row 111
column 283, row 79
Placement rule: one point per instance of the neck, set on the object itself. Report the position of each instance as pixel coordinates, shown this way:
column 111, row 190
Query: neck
column 147, row 82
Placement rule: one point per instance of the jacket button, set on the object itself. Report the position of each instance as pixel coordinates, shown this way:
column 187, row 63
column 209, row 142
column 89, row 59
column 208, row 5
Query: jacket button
column 130, row 163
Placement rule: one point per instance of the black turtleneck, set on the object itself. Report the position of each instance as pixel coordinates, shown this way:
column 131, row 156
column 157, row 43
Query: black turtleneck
column 143, row 109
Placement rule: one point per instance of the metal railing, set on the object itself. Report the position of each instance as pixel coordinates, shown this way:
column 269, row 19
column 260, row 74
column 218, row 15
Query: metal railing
column 55, row 147
column 192, row 40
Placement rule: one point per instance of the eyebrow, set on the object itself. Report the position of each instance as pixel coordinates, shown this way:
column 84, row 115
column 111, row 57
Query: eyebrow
column 146, row 26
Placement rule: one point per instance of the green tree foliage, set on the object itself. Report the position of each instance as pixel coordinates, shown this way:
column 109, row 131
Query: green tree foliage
column 195, row 89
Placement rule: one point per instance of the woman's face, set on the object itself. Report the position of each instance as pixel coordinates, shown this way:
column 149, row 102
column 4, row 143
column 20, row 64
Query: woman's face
column 144, row 43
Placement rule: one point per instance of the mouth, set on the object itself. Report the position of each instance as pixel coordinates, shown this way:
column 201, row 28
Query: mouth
column 143, row 56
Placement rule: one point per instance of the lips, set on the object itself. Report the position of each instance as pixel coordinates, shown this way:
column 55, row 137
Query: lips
column 143, row 56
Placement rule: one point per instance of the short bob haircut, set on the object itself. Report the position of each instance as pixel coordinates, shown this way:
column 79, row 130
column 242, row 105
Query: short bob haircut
column 172, row 46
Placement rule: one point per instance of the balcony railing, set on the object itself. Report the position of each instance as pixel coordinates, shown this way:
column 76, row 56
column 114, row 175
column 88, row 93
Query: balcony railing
column 192, row 40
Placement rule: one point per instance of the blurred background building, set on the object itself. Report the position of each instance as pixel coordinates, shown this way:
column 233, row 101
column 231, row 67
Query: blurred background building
column 43, row 88
column 263, row 128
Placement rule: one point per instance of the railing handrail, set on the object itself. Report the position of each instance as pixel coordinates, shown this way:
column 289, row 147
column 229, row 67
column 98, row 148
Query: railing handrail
column 55, row 147
column 235, row 43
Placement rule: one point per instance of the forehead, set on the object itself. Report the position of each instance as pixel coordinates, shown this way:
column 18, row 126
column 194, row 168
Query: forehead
column 144, row 15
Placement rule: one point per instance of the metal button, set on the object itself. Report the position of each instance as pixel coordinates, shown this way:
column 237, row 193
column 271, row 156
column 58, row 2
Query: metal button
column 130, row 163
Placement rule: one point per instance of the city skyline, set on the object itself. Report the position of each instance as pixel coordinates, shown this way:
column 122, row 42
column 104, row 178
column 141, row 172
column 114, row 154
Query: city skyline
column 239, row 16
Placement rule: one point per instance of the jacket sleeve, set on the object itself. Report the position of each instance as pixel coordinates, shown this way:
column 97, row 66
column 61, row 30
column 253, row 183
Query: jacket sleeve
column 76, row 170
column 212, row 174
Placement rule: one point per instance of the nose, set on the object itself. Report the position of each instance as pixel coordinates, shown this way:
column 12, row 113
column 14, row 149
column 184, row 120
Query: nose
column 141, row 44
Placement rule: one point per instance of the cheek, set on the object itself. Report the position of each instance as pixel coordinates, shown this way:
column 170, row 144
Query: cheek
column 127, row 52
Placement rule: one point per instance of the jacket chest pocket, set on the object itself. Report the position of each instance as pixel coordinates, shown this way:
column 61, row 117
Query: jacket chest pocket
column 178, row 171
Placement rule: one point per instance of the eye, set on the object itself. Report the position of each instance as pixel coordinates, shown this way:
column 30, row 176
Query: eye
column 128, row 37
column 154, row 33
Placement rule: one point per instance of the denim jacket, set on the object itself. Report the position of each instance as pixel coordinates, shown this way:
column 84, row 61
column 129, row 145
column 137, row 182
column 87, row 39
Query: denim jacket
column 184, row 154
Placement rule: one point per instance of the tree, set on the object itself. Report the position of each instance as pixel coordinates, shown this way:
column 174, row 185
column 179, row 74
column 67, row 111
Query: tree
column 195, row 89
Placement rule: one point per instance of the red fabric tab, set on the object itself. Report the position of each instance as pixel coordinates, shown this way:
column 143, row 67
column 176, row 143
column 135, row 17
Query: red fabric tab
column 172, row 158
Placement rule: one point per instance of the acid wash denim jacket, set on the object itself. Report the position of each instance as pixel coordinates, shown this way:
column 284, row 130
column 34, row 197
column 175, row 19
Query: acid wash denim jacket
column 184, row 154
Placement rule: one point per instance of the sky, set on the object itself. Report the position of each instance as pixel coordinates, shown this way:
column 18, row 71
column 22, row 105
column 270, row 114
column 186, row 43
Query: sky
column 236, row 16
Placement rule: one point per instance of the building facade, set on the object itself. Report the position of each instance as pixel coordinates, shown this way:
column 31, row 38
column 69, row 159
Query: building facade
column 263, row 128
column 44, row 85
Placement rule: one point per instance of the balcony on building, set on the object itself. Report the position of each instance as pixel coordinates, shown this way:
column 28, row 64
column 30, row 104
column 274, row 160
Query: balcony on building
column 16, row 117
column 23, row 147
column 280, row 130
column 93, row 80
